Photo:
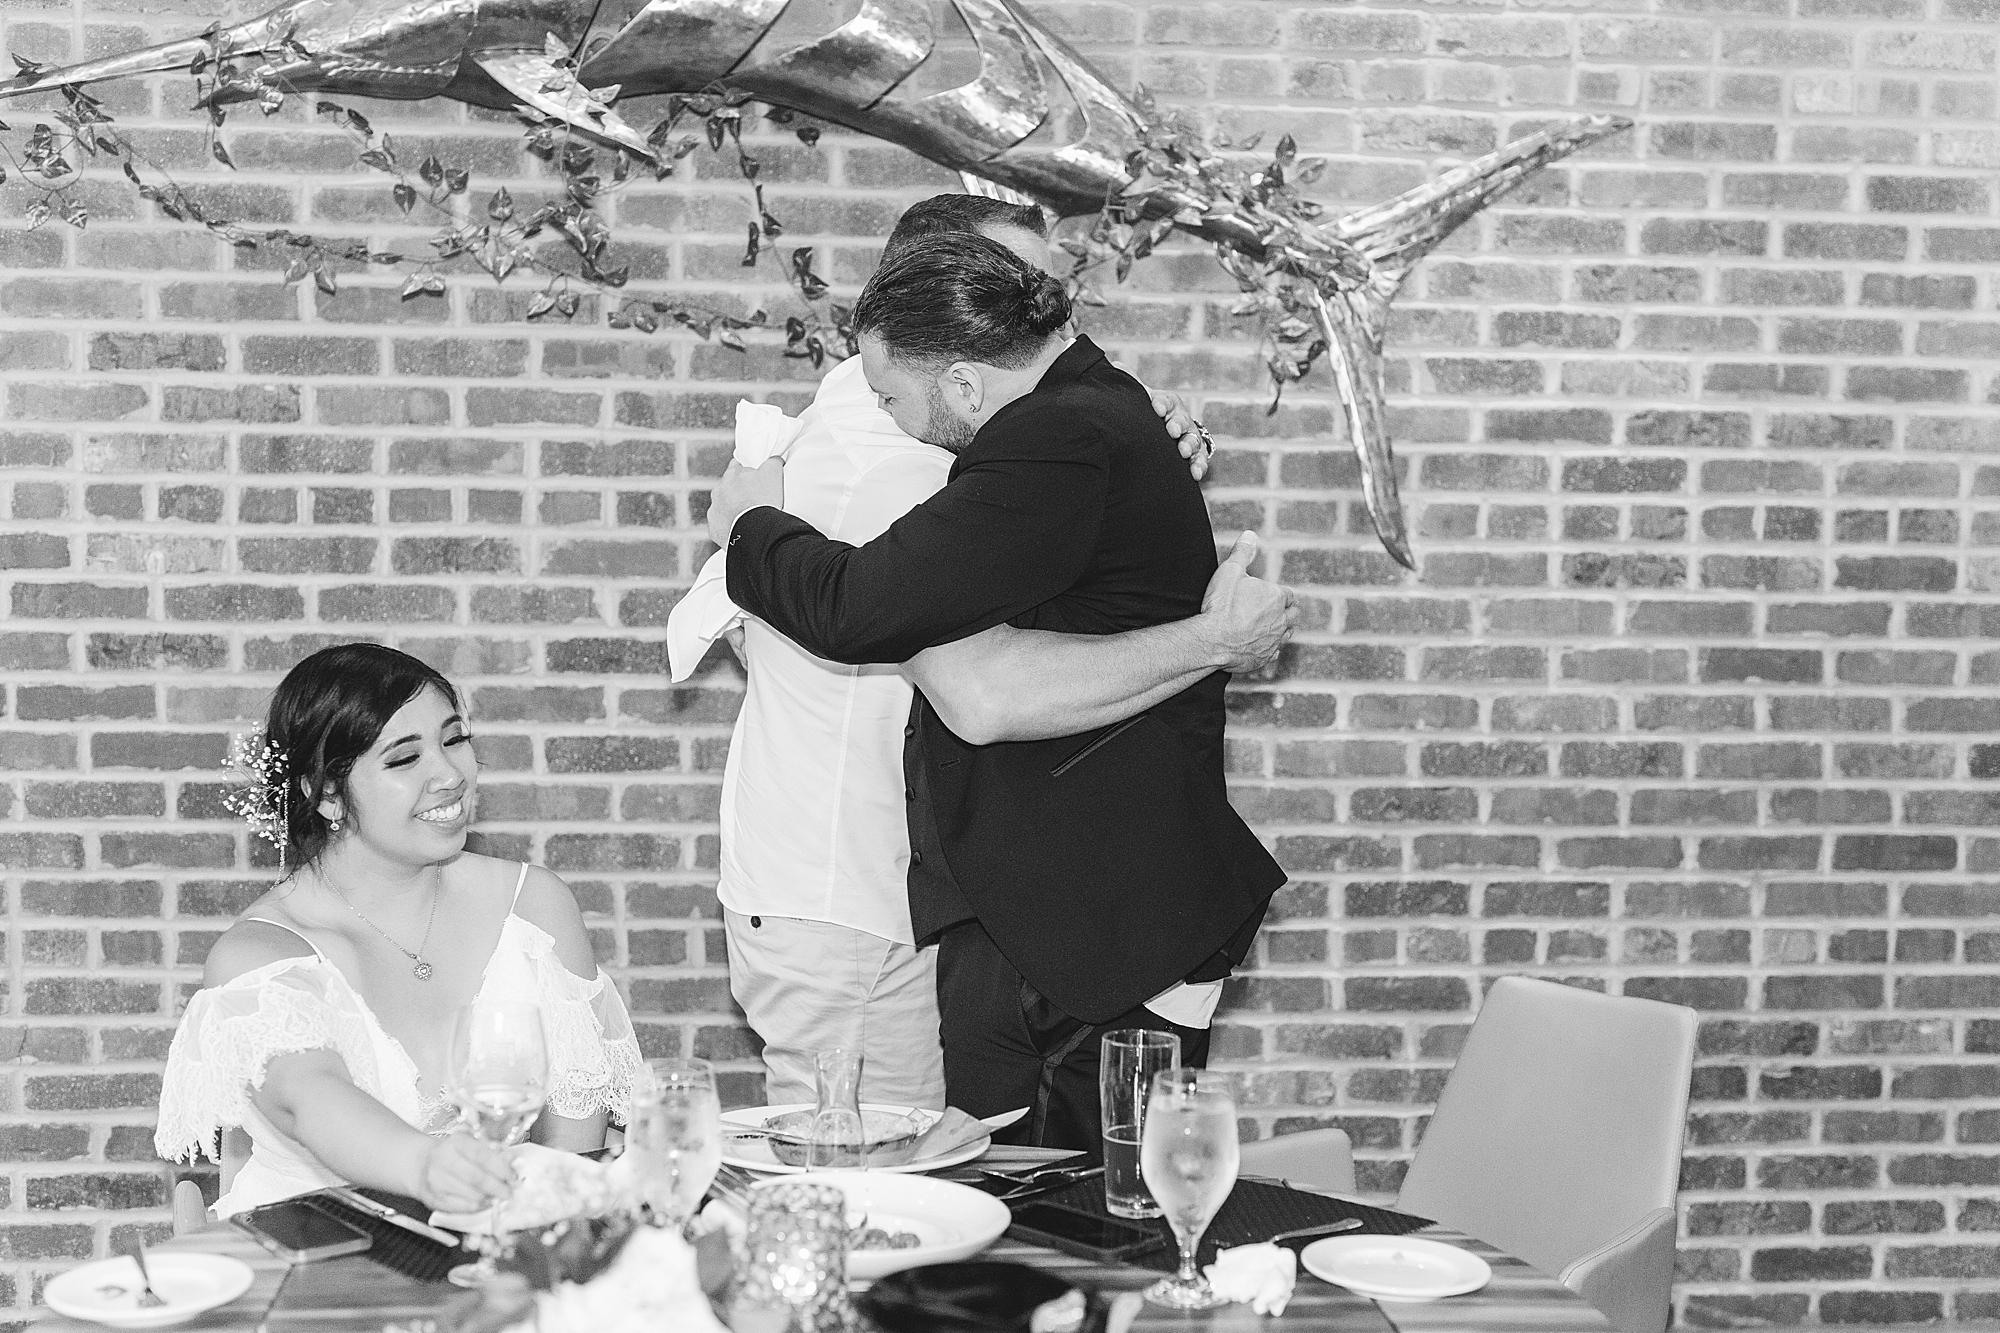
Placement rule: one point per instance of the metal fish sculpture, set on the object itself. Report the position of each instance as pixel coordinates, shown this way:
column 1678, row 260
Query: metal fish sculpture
column 1036, row 119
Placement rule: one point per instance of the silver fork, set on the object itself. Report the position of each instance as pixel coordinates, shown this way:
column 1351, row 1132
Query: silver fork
column 148, row 1298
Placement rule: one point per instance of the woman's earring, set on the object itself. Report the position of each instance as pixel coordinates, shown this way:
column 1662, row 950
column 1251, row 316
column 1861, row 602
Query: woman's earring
column 333, row 825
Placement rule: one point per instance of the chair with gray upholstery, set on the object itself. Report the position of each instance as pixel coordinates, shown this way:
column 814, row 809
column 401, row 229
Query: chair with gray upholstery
column 1558, row 1139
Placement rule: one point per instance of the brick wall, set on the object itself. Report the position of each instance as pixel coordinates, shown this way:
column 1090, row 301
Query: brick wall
column 1690, row 699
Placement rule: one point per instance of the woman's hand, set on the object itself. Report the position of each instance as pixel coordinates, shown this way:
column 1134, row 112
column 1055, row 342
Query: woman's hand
column 460, row 1174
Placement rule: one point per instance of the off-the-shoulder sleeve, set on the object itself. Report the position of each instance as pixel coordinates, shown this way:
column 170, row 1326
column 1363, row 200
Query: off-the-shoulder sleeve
column 227, row 1039
column 593, row 1054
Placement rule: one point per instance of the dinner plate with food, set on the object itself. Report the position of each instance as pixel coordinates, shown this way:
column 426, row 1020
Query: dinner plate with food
column 897, row 1220
column 898, row 1138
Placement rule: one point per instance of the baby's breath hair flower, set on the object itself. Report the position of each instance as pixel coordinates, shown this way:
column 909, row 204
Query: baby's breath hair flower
column 262, row 798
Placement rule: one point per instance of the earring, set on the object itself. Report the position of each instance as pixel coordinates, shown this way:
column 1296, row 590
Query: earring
column 333, row 825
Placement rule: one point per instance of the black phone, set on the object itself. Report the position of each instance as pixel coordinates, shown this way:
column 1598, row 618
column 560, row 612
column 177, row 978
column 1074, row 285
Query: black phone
column 294, row 1229
column 1073, row 1231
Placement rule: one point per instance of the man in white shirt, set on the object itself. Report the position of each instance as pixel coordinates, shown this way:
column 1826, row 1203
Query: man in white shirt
column 815, row 839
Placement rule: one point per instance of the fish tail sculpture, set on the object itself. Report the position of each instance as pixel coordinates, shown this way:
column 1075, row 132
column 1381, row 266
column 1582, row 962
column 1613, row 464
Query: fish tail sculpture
column 1037, row 119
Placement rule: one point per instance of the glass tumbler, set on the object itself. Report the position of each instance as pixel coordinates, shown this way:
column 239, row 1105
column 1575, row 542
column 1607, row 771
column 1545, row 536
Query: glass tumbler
column 1130, row 1058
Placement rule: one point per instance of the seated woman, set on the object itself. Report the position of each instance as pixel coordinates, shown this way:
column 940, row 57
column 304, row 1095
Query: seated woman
column 324, row 1022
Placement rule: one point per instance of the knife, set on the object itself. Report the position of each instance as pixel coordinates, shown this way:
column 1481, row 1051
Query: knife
column 362, row 1203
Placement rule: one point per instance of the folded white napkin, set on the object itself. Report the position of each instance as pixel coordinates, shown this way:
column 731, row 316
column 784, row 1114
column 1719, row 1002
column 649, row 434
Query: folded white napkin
column 1263, row 1275
column 763, row 432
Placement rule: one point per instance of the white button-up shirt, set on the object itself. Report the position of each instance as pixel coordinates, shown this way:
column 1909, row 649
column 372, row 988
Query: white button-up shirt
column 814, row 822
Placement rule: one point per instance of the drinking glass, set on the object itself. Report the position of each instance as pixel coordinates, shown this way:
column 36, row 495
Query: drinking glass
column 674, row 1138
column 1130, row 1059
column 839, row 1139
column 1189, row 1158
column 500, row 1070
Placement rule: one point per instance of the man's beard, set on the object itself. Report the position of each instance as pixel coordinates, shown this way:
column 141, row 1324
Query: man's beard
column 943, row 429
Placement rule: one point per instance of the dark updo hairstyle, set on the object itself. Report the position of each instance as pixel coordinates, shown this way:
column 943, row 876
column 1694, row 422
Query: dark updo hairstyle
column 326, row 713
column 961, row 297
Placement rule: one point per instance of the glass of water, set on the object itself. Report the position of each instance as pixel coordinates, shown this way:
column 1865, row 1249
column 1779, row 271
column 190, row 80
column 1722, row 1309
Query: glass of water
column 674, row 1138
column 1130, row 1059
column 1189, row 1158
column 500, row 1068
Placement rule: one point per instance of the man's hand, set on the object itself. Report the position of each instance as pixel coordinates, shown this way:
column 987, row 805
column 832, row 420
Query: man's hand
column 741, row 490
column 1244, row 618
column 1192, row 436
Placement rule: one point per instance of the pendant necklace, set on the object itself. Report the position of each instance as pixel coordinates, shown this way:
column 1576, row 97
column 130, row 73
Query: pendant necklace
column 422, row 970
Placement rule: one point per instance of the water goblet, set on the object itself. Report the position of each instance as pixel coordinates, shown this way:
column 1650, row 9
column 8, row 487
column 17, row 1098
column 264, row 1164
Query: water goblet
column 674, row 1138
column 500, row 1069
column 1189, row 1158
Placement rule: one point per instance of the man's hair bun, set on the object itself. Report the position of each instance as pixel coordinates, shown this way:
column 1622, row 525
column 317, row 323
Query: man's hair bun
column 1046, row 306
column 961, row 297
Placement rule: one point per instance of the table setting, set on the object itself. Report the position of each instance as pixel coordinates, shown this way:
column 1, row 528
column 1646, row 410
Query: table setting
column 837, row 1215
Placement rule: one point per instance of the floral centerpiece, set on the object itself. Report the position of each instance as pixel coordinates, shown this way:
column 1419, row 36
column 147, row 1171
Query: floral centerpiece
column 584, row 1259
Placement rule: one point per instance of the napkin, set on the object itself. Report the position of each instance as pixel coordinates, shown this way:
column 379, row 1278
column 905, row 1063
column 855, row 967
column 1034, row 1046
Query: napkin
column 763, row 432
column 954, row 1129
column 548, row 1186
column 1262, row 1274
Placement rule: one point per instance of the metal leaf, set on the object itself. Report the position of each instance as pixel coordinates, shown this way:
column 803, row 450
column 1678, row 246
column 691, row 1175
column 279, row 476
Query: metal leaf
column 501, row 206
column 221, row 154
column 751, row 250
column 431, row 171
column 37, row 212
column 405, row 196
column 567, row 303
column 543, row 303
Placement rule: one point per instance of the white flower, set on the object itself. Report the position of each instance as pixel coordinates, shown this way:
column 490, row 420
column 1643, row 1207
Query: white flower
column 651, row 1286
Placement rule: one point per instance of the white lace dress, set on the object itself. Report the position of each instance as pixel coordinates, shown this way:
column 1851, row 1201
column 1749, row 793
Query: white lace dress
column 231, row 1032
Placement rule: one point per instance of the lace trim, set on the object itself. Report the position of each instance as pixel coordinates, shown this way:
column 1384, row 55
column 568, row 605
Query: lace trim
column 227, row 1039
column 593, row 1054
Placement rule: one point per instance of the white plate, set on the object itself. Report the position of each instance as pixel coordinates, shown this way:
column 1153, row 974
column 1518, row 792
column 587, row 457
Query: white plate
column 1396, row 1268
column 107, row 1292
column 754, row 1155
column 953, row 1221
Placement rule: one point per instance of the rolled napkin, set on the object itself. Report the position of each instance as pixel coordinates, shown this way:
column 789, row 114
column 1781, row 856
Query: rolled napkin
column 763, row 432
column 1263, row 1275
column 953, row 1130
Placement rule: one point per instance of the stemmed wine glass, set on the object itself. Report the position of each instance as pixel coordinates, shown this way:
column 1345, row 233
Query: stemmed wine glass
column 500, row 1070
column 1189, row 1158
column 674, row 1138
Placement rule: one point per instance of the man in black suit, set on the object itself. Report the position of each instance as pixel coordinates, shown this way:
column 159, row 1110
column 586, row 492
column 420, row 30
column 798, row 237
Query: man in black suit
column 1078, row 882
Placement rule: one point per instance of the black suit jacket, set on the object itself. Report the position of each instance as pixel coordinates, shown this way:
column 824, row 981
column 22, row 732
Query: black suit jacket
column 1106, row 866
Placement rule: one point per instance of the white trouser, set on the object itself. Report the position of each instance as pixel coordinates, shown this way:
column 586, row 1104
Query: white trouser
column 809, row 986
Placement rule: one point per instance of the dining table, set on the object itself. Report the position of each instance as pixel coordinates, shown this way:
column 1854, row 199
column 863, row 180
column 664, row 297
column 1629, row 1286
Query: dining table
column 357, row 1295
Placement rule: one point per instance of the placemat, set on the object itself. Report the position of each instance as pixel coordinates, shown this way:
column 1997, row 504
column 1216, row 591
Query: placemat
column 405, row 1252
column 1255, row 1211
